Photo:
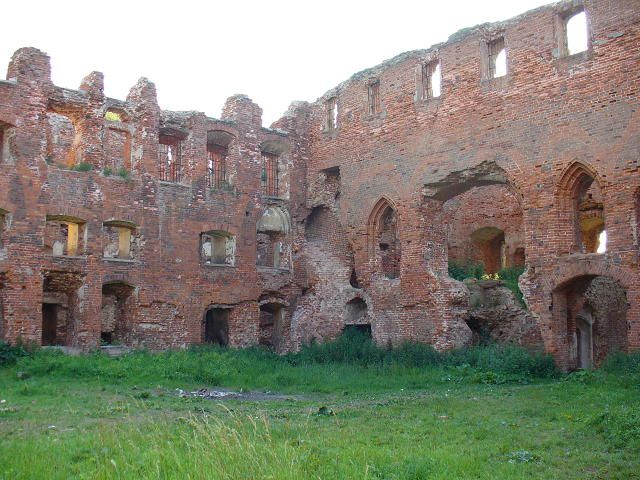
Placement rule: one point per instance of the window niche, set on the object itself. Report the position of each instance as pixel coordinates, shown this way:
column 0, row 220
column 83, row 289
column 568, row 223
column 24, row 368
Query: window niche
column 218, row 143
column 495, row 64
column 273, row 175
column 63, row 140
column 374, row 103
column 117, row 143
column 65, row 236
column 120, row 241
column 331, row 113
column 6, row 132
column 4, row 226
column 582, row 208
column 272, row 244
column 384, row 241
column 170, row 154
column 217, row 248
column 429, row 80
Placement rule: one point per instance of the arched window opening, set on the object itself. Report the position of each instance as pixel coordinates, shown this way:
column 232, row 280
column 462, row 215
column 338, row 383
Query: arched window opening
column 217, row 248
column 116, row 313
column 590, row 218
column 273, row 248
column 582, row 209
column 388, row 244
column 384, row 242
column 356, row 312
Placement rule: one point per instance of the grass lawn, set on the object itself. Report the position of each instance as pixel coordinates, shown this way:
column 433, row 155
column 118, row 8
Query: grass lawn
column 97, row 417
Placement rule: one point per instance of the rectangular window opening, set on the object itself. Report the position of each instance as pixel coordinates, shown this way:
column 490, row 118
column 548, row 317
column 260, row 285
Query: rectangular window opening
column 431, row 80
column 373, row 92
column 332, row 113
column 170, row 158
column 576, row 33
column 270, row 177
column 497, row 58
column 216, row 166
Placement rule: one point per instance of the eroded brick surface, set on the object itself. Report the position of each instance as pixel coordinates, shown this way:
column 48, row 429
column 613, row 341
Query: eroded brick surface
column 345, row 211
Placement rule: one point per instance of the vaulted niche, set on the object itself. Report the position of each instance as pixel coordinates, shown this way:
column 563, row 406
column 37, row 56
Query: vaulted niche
column 273, row 247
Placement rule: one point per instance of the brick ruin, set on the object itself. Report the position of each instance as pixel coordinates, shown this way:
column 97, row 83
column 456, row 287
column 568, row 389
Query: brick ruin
column 506, row 144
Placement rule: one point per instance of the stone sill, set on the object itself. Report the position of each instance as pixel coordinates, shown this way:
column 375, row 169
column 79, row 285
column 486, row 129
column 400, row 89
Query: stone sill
column 173, row 184
column 120, row 260
column 271, row 197
column 217, row 265
column 273, row 270
column 68, row 257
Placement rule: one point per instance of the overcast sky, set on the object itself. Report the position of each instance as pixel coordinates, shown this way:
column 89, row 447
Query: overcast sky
column 198, row 53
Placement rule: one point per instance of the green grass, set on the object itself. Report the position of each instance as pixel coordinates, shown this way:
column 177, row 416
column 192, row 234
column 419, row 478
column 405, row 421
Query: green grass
column 408, row 413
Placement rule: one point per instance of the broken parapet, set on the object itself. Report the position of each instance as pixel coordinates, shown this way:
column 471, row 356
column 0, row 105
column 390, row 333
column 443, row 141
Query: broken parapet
column 241, row 109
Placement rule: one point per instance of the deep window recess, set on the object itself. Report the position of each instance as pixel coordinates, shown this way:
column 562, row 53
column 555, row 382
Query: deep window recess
column 170, row 158
column 431, row 80
column 217, row 166
column 497, row 58
column 373, row 92
column 576, row 33
column 270, row 177
column 332, row 113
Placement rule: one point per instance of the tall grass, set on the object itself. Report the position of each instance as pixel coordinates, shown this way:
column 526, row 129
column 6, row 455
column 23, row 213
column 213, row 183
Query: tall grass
column 352, row 361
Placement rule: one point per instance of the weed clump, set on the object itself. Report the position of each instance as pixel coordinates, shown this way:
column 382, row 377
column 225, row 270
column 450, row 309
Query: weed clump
column 9, row 354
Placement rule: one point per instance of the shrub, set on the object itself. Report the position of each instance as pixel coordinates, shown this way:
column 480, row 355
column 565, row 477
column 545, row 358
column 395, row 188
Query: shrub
column 466, row 269
column 82, row 167
column 623, row 363
column 9, row 354
column 124, row 173
column 510, row 278
column 107, row 171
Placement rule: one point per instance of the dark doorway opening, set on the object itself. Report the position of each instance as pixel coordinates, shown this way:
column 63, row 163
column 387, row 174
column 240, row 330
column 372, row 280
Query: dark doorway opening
column 271, row 315
column 49, row 323
column 363, row 330
column 216, row 326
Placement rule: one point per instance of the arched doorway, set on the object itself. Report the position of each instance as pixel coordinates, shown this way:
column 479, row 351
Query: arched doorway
column 592, row 313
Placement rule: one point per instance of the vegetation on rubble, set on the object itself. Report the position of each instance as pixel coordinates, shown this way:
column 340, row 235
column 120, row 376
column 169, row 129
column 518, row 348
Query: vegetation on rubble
column 346, row 409
column 509, row 276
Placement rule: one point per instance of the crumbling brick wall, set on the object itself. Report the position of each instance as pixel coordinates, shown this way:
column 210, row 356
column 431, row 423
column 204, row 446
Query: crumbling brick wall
column 517, row 153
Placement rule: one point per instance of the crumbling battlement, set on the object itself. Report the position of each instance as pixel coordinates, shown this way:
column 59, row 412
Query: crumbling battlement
column 506, row 145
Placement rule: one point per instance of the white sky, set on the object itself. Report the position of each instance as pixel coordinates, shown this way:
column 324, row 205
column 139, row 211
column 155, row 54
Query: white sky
column 198, row 53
